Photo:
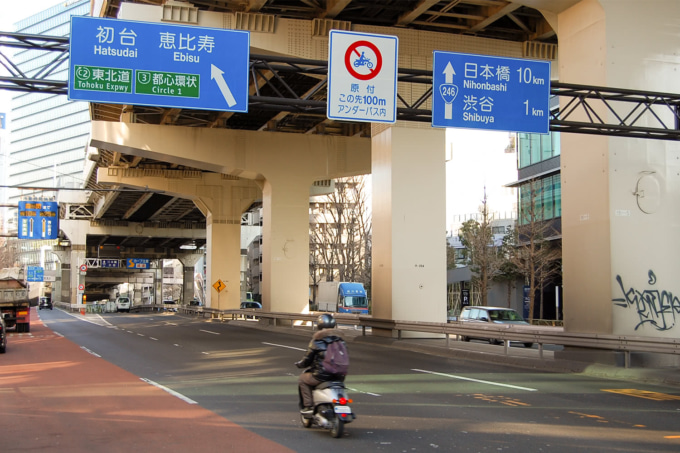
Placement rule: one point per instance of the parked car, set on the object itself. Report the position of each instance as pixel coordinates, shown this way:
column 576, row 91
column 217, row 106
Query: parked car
column 45, row 302
column 251, row 305
column 491, row 315
column 195, row 302
column 3, row 336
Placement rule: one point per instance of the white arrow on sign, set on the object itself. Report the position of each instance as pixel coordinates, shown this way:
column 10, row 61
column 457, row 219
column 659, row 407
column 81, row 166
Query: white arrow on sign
column 448, row 74
column 216, row 73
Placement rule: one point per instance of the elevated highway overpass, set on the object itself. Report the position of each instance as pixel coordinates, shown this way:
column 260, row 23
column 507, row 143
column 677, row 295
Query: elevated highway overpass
column 599, row 174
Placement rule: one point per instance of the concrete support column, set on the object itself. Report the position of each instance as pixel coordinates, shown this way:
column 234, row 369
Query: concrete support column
column 409, row 224
column 285, row 244
column 76, row 232
column 188, row 263
column 620, row 196
column 223, row 258
column 63, row 255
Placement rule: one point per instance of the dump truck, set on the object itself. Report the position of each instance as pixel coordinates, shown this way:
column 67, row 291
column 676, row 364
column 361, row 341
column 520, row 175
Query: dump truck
column 15, row 303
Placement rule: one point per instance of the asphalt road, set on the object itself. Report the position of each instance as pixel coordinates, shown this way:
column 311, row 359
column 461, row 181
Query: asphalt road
column 405, row 401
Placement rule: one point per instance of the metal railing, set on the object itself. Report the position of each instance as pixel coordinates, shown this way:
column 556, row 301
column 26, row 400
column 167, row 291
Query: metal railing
column 506, row 333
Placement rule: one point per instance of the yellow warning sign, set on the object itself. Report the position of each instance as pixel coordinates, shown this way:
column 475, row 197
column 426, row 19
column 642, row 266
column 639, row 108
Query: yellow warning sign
column 219, row 286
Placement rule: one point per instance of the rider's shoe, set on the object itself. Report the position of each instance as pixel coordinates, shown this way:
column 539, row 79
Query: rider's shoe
column 307, row 410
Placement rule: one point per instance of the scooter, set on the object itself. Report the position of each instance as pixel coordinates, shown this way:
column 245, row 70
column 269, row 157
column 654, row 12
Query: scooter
column 331, row 408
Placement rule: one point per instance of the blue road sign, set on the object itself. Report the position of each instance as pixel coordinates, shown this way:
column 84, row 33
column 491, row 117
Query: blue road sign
column 109, row 263
column 138, row 263
column 38, row 220
column 35, row 274
column 496, row 93
column 141, row 63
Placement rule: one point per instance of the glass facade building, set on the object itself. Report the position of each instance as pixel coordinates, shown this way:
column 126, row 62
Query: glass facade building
column 544, row 190
column 48, row 133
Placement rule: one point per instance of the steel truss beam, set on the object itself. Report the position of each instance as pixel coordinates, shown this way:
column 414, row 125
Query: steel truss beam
column 583, row 109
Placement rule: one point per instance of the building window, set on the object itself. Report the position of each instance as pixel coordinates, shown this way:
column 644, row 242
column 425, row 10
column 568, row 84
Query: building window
column 535, row 148
column 546, row 194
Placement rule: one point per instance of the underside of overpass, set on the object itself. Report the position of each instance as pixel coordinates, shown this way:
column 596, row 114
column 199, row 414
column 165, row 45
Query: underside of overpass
column 602, row 43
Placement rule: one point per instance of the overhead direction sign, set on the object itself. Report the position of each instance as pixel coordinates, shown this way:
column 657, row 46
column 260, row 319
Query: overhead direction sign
column 35, row 274
column 138, row 263
column 141, row 63
column 362, row 77
column 38, row 220
column 486, row 92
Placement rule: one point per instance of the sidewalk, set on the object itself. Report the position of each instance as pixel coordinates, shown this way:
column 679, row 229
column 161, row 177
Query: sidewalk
column 56, row 397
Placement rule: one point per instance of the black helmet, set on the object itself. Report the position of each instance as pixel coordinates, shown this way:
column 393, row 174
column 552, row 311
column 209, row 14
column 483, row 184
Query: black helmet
column 325, row 321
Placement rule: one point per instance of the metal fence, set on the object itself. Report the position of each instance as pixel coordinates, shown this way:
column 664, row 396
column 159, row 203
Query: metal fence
column 539, row 335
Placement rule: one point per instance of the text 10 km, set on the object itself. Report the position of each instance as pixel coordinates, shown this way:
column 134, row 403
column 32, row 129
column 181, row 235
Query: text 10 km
column 525, row 76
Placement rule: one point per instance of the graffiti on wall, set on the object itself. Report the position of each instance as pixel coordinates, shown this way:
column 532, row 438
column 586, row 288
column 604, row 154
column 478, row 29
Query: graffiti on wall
column 658, row 309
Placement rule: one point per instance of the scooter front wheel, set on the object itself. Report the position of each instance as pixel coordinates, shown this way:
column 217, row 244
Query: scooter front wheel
column 337, row 428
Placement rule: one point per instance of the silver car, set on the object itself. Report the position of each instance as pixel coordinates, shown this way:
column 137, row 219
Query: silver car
column 495, row 315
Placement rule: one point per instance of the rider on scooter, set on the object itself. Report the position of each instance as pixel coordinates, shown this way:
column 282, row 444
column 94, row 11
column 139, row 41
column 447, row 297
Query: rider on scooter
column 315, row 374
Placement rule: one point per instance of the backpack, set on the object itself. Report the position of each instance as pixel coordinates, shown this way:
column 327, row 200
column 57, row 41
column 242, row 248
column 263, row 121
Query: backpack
column 336, row 359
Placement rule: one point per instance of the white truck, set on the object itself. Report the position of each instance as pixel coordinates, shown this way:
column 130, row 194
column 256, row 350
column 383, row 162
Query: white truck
column 123, row 304
column 342, row 297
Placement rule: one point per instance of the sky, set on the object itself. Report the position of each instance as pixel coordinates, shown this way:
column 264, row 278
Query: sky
column 478, row 161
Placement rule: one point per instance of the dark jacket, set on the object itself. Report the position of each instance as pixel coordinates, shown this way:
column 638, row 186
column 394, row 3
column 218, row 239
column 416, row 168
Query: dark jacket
column 316, row 351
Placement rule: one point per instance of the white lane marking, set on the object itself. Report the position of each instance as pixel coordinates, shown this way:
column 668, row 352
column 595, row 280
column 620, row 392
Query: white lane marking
column 176, row 345
column 462, row 378
column 365, row 393
column 170, row 391
column 58, row 334
column 206, row 353
column 141, row 334
column 283, row 346
column 207, row 331
column 97, row 322
column 154, row 339
column 90, row 352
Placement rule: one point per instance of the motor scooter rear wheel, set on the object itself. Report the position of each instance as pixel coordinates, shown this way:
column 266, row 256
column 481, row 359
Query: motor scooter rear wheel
column 337, row 427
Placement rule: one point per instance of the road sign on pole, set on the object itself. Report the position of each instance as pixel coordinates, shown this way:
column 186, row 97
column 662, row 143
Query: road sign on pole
column 219, row 286
column 362, row 77
column 495, row 93
column 128, row 62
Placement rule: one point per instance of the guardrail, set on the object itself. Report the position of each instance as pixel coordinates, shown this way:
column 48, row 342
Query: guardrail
column 506, row 333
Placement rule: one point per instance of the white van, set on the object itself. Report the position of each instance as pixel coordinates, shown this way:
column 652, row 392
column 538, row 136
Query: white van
column 123, row 304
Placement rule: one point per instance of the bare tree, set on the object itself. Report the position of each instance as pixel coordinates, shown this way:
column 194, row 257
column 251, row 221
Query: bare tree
column 529, row 247
column 340, row 234
column 484, row 257
column 8, row 252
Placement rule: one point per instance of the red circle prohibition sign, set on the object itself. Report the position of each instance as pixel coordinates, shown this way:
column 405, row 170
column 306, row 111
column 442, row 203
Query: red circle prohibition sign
column 373, row 69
